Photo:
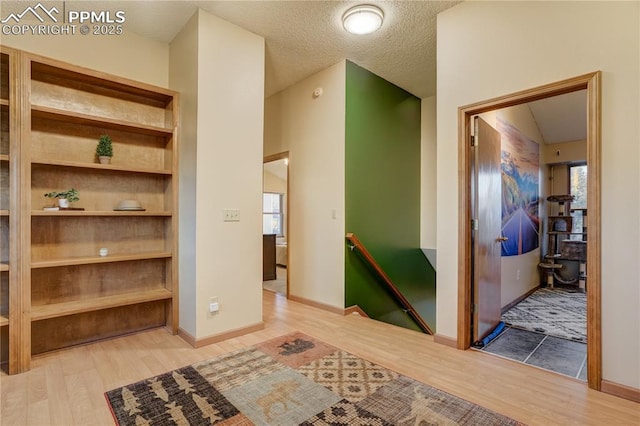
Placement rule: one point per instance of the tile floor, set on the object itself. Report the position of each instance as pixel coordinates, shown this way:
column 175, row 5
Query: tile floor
column 551, row 353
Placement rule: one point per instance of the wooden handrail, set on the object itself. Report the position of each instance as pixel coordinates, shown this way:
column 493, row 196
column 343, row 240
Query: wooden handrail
column 356, row 243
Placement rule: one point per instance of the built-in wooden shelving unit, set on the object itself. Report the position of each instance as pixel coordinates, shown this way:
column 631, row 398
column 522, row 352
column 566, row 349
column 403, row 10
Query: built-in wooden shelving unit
column 81, row 306
column 97, row 213
column 90, row 260
column 67, row 293
column 9, row 169
column 117, row 168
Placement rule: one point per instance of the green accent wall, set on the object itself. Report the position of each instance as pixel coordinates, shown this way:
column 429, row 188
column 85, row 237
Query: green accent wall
column 382, row 174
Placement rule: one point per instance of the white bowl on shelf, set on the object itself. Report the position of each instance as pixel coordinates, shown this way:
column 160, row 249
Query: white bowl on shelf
column 129, row 205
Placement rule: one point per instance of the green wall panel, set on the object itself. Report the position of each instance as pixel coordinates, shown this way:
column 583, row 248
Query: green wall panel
column 382, row 173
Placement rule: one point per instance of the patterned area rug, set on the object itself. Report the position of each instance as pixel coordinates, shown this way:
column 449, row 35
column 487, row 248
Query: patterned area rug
column 294, row 379
column 556, row 312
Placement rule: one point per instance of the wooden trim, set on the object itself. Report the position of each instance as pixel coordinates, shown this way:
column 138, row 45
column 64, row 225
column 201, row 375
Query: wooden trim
column 319, row 305
column 592, row 83
column 116, row 168
column 390, row 285
column 173, row 311
column 276, row 157
column 90, row 120
column 48, row 65
column 187, row 337
column 55, row 310
column 20, row 273
column 594, row 260
column 355, row 309
column 90, row 260
column 464, row 230
column 204, row 341
column 445, row 340
column 622, row 391
column 508, row 306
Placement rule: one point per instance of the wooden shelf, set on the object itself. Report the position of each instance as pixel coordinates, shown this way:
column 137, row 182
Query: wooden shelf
column 79, row 306
column 78, row 118
column 98, row 213
column 4, row 267
column 4, row 212
column 4, row 102
column 565, row 233
column 97, row 166
column 88, row 260
column 3, row 321
column 4, row 157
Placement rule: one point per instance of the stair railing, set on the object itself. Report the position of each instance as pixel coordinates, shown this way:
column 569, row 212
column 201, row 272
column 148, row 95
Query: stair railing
column 355, row 243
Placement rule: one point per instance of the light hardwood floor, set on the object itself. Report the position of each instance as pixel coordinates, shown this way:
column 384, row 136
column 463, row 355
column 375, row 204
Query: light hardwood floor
column 67, row 387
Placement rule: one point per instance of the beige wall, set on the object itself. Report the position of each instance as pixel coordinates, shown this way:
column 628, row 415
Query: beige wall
column 313, row 131
column 126, row 55
column 229, row 175
column 428, row 150
column 568, row 152
column 220, row 68
column 273, row 183
column 482, row 55
column 183, row 77
column 520, row 273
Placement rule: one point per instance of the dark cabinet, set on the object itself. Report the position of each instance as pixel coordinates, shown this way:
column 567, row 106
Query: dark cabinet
column 268, row 257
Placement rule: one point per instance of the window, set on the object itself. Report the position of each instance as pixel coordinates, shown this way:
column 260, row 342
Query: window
column 578, row 188
column 272, row 214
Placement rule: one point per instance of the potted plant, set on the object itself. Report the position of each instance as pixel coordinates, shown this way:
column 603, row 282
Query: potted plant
column 64, row 197
column 104, row 150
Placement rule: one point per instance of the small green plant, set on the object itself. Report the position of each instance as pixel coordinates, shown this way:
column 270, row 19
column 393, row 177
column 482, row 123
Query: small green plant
column 104, row 148
column 71, row 195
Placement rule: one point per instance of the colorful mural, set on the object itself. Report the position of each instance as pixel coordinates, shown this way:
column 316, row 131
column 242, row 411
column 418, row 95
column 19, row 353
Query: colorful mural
column 520, row 190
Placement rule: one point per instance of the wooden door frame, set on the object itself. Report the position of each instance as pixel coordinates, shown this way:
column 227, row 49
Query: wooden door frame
column 268, row 159
column 592, row 83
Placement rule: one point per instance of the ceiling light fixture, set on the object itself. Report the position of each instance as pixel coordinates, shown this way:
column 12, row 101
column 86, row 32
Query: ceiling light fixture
column 363, row 19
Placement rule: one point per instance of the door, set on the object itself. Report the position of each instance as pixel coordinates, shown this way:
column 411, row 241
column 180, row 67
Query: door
column 487, row 236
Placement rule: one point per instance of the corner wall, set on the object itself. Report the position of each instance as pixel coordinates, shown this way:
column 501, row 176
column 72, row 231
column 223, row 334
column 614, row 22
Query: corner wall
column 220, row 68
column 382, row 181
column 312, row 130
column 428, row 178
column 489, row 49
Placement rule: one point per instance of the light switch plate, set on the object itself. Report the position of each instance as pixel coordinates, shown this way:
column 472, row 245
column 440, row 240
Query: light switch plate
column 231, row 215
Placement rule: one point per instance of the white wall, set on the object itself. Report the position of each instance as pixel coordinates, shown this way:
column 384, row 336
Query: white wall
column 183, row 77
column 519, row 274
column 428, row 224
column 127, row 55
column 313, row 131
column 488, row 49
column 220, row 69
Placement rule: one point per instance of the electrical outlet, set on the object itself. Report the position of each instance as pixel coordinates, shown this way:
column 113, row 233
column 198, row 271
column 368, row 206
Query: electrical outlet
column 518, row 275
column 214, row 305
column 231, row 215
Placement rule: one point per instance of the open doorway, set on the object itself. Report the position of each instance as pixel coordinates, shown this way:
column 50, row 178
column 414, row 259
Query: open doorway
column 466, row 307
column 542, row 198
column 275, row 220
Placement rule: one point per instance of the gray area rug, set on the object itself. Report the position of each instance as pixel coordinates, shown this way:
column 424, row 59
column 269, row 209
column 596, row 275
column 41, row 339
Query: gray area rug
column 556, row 312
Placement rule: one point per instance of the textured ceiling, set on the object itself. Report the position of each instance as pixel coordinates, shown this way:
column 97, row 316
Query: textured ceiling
column 302, row 37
